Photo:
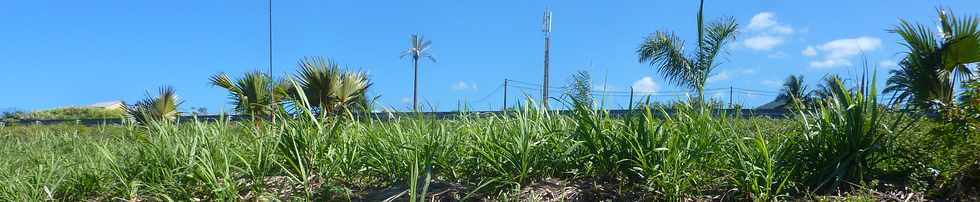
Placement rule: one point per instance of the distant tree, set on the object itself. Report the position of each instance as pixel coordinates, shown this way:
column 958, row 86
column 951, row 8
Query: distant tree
column 162, row 107
column 825, row 90
column 581, row 88
column 795, row 93
column 934, row 63
column 665, row 51
column 420, row 49
column 253, row 94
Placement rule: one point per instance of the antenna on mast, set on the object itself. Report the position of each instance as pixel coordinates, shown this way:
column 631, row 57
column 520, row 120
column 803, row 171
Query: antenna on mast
column 546, row 28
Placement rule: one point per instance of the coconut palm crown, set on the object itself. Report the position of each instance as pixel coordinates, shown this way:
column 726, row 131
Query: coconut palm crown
column 795, row 92
column 665, row 51
column 934, row 63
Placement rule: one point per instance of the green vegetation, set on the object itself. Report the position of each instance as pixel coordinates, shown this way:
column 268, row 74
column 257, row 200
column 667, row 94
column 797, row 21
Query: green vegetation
column 840, row 143
column 72, row 113
column 935, row 63
column 846, row 144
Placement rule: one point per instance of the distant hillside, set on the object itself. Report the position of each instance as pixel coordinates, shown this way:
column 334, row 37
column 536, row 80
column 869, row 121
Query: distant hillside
column 73, row 113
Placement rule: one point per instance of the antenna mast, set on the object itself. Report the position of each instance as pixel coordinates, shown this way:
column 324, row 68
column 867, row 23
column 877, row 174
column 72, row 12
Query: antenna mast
column 546, row 28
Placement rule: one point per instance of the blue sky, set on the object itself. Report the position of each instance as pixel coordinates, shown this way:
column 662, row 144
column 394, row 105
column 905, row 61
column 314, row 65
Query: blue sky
column 63, row 53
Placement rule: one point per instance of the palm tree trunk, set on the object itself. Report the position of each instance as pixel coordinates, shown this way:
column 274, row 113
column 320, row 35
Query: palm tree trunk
column 415, row 94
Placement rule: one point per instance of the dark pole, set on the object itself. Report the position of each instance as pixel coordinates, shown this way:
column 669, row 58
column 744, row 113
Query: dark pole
column 505, row 96
column 270, row 38
column 631, row 98
column 271, row 88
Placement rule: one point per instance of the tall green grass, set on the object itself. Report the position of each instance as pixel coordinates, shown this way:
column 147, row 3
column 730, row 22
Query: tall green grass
column 688, row 155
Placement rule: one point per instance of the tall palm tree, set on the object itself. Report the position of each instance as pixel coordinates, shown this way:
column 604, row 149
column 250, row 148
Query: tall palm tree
column 795, row 92
column 330, row 89
column 934, row 63
column 163, row 107
column 665, row 51
column 420, row 49
column 254, row 94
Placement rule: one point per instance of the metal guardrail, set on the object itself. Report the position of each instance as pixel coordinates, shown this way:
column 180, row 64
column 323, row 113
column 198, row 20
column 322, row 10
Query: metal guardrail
column 772, row 113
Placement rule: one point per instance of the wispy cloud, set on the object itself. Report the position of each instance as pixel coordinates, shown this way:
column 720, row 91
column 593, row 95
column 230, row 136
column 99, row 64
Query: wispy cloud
column 763, row 42
column 645, row 85
column 888, row 64
column 464, row 86
column 769, row 33
column 720, row 76
column 809, row 51
column 839, row 52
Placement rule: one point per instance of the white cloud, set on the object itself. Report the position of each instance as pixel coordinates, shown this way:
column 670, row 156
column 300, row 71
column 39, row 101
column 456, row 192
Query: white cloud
column 810, row 51
column 829, row 62
column 782, row 29
column 763, row 42
column 721, row 76
column 406, row 100
column 645, row 85
column 889, row 64
column 769, row 33
column 462, row 86
column 762, row 20
column 839, row 52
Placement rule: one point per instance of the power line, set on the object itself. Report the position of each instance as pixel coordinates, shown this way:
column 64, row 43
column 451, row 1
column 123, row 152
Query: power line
column 490, row 94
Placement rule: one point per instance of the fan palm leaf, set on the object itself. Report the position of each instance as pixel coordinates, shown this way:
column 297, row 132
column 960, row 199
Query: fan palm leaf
column 162, row 107
column 327, row 87
column 255, row 93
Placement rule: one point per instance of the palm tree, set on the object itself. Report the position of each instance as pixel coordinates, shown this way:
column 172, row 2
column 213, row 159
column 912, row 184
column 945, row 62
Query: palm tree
column 419, row 50
column 163, row 107
column 825, row 89
column 330, row 89
column 934, row 63
column 665, row 51
column 795, row 92
column 253, row 94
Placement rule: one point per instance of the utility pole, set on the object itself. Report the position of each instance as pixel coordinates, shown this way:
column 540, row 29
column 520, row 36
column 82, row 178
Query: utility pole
column 505, row 96
column 272, row 88
column 731, row 95
column 547, row 48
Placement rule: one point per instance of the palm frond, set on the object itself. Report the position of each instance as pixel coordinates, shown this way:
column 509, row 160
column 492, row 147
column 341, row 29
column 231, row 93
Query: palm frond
column 327, row 87
column 162, row 107
column 665, row 51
